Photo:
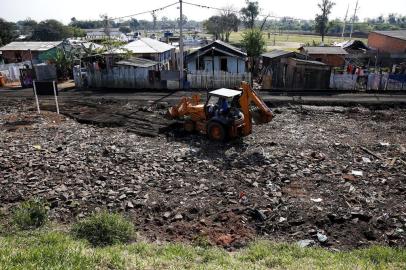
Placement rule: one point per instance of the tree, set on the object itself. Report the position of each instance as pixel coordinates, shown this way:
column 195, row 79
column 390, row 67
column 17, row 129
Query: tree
column 125, row 29
column 255, row 45
column 154, row 19
column 7, row 32
column 27, row 26
column 229, row 22
column 134, row 24
column 212, row 26
column 51, row 30
column 250, row 14
column 322, row 19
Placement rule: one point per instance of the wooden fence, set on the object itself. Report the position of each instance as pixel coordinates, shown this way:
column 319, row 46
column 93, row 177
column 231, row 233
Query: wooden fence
column 220, row 79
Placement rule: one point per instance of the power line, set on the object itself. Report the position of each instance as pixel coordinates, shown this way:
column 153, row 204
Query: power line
column 144, row 12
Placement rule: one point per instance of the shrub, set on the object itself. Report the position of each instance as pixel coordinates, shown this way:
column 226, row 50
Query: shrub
column 31, row 214
column 103, row 229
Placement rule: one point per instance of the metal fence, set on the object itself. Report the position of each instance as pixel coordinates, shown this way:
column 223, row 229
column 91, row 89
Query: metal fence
column 371, row 81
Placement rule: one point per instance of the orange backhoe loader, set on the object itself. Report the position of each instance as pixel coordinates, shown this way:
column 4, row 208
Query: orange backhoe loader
column 227, row 114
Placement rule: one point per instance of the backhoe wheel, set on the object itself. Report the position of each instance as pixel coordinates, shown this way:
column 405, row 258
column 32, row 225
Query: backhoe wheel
column 189, row 126
column 216, row 132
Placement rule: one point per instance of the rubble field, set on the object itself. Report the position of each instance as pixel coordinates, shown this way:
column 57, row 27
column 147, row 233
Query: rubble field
column 328, row 176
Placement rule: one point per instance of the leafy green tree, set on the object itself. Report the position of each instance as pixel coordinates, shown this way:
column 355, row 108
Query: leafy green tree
column 51, row 30
column 125, row 29
column 27, row 26
column 322, row 19
column 250, row 14
column 254, row 43
column 8, row 32
column 212, row 26
column 134, row 24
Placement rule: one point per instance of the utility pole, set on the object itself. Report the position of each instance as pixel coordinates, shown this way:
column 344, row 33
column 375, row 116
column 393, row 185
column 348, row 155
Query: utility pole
column 345, row 21
column 181, row 43
column 353, row 19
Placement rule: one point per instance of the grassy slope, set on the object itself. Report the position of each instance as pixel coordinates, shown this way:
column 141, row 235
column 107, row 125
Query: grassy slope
column 55, row 250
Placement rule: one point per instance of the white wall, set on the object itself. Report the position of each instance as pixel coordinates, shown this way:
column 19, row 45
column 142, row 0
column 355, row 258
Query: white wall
column 232, row 66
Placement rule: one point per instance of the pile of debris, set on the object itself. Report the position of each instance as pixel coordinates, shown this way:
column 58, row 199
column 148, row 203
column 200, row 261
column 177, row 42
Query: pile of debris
column 328, row 176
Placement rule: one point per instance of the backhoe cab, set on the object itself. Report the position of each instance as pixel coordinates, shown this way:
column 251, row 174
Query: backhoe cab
column 226, row 114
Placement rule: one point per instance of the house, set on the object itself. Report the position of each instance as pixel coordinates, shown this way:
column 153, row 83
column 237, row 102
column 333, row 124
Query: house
column 103, row 34
column 217, row 56
column 37, row 51
column 332, row 56
column 306, row 75
column 152, row 49
column 393, row 42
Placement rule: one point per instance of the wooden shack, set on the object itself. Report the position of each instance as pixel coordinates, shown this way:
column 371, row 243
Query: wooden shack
column 306, row 75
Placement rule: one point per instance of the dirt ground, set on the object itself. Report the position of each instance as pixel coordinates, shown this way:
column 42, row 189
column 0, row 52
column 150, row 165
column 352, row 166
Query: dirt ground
column 333, row 176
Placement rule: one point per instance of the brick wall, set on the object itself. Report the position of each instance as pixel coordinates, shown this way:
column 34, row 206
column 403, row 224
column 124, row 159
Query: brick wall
column 386, row 44
column 332, row 60
column 18, row 56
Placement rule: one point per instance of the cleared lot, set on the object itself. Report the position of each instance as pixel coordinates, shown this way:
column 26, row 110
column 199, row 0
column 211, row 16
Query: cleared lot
column 315, row 171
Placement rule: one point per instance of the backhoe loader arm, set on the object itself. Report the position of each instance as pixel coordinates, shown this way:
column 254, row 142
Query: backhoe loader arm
column 187, row 107
column 248, row 96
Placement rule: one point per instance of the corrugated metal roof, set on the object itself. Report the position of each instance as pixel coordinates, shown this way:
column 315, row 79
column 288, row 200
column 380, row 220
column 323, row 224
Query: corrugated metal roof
column 325, row 50
column 148, row 45
column 400, row 34
column 218, row 46
column 277, row 54
column 138, row 62
column 30, row 45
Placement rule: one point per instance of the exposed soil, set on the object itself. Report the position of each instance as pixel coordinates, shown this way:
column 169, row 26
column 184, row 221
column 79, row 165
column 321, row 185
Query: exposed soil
column 312, row 172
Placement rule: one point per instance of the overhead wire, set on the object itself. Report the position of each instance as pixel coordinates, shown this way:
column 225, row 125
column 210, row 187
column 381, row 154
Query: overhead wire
column 224, row 10
column 144, row 12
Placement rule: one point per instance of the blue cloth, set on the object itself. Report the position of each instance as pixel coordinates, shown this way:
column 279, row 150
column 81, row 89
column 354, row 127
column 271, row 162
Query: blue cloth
column 224, row 106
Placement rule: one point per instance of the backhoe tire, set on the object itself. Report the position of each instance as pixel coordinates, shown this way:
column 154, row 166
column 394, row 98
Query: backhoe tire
column 189, row 126
column 216, row 132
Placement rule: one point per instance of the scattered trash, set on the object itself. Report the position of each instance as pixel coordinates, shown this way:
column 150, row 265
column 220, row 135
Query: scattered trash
column 317, row 200
column 322, row 238
column 306, row 243
column 37, row 147
column 357, row 173
column 366, row 160
column 385, row 144
column 282, row 219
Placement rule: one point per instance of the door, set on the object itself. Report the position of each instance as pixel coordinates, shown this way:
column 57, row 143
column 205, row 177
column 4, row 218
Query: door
column 223, row 64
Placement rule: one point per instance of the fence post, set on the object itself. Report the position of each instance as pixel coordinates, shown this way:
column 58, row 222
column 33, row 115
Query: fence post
column 36, row 96
column 56, row 98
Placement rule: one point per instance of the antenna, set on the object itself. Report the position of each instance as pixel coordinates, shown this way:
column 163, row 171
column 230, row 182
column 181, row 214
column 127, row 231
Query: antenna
column 345, row 21
column 353, row 19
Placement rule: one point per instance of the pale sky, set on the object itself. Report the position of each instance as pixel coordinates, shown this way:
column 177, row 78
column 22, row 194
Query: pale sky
column 14, row 10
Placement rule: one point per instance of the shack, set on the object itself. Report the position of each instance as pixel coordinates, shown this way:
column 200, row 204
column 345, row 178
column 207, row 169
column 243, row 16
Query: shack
column 273, row 69
column 306, row 74
column 35, row 51
column 215, row 57
column 332, row 56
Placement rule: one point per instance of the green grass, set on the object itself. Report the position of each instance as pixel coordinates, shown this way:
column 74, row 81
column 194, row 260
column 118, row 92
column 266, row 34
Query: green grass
column 104, row 229
column 31, row 214
column 282, row 40
column 57, row 250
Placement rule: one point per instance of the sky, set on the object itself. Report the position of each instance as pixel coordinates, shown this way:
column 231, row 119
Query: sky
column 14, row 10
